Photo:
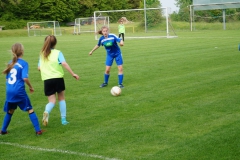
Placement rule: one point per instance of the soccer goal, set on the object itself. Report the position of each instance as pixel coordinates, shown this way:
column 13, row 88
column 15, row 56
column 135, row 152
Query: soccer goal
column 139, row 23
column 83, row 25
column 44, row 28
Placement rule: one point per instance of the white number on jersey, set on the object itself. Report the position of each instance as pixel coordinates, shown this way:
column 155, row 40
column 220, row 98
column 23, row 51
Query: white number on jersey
column 12, row 79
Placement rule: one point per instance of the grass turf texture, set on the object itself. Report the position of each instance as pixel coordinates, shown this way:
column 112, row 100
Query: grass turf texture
column 180, row 101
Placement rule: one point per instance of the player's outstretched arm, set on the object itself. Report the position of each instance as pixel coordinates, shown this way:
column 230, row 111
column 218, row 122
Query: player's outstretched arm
column 68, row 68
column 95, row 48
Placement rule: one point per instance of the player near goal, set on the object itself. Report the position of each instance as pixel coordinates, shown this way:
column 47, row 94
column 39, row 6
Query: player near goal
column 121, row 29
column 109, row 41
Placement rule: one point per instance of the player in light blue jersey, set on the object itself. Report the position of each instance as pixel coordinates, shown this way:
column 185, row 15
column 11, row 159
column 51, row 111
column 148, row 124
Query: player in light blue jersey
column 16, row 96
column 109, row 41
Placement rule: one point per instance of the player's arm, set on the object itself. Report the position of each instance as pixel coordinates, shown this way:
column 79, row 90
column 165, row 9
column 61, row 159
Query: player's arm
column 119, row 40
column 62, row 60
column 25, row 78
column 68, row 68
column 39, row 64
column 121, row 43
column 27, row 81
column 94, row 48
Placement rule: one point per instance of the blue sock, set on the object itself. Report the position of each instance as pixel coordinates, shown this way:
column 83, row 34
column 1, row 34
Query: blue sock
column 63, row 108
column 106, row 77
column 120, row 78
column 34, row 119
column 7, row 120
column 49, row 107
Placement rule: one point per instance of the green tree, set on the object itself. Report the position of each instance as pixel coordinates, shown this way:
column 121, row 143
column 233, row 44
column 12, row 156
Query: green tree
column 27, row 10
column 58, row 10
column 154, row 17
column 184, row 10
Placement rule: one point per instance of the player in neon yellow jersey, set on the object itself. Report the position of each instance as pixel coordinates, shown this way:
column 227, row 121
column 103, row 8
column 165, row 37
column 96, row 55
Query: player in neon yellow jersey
column 121, row 30
column 50, row 65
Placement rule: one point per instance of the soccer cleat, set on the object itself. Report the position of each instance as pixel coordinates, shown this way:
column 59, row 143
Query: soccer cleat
column 45, row 118
column 103, row 85
column 64, row 121
column 3, row 133
column 121, row 86
column 39, row 133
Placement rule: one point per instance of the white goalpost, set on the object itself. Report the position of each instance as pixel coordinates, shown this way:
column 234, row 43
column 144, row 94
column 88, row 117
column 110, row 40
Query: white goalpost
column 44, row 28
column 86, row 24
column 135, row 27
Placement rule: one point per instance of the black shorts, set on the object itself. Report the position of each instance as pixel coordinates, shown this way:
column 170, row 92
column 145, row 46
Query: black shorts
column 51, row 86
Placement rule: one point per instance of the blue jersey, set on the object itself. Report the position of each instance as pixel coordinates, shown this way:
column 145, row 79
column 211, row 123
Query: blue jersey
column 15, row 85
column 110, row 44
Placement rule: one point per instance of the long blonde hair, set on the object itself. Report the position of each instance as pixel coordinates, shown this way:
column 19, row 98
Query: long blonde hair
column 49, row 43
column 17, row 51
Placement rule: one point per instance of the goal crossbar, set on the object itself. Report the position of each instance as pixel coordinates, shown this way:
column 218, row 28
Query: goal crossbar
column 127, row 10
column 40, row 27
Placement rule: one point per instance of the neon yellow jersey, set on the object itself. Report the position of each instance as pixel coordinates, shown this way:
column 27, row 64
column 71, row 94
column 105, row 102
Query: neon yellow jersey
column 121, row 28
column 51, row 68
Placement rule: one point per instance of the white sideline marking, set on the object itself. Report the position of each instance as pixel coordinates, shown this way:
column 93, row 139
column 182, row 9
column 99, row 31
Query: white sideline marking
column 58, row 150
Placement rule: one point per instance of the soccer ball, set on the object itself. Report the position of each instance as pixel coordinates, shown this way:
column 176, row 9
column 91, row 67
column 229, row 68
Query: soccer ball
column 116, row 91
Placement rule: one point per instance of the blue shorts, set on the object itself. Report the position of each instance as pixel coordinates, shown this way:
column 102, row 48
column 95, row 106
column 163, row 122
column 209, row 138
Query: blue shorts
column 118, row 58
column 24, row 105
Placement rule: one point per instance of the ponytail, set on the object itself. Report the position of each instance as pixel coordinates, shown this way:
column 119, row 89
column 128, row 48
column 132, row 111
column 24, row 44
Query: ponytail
column 49, row 43
column 17, row 51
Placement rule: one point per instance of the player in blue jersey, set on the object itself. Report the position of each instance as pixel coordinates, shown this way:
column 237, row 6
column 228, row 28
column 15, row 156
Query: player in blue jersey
column 109, row 41
column 16, row 96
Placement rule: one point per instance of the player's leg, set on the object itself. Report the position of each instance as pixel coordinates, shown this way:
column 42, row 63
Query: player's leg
column 25, row 105
column 48, row 108
column 123, row 36
column 62, row 107
column 119, row 61
column 49, row 90
column 119, row 35
column 9, row 108
column 34, row 119
column 109, row 61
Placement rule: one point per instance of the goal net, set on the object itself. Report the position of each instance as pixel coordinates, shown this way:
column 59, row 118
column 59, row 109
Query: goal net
column 83, row 25
column 139, row 23
column 44, row 28
column 216, row 19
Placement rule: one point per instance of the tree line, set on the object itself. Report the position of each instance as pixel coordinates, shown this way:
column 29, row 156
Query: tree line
column 233, row 14
column 62, row 10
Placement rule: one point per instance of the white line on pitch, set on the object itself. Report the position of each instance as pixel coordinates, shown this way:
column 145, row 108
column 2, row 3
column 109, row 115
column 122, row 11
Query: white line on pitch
column 58, row 151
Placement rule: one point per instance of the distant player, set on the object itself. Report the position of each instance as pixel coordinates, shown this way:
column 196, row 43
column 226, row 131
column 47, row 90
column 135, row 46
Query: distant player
column 121, row 30
column 50, row 65
column 109, row 41
column 16, row 96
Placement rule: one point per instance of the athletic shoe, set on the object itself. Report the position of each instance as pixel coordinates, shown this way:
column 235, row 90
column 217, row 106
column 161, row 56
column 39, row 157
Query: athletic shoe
column 121, row 86
column 45, row 118
column 3, row 133
column 103, row 85
column 64, row 121
column 39, row 133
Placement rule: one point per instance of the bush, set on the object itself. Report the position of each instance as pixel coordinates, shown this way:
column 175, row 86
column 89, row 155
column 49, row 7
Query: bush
column 17, row 24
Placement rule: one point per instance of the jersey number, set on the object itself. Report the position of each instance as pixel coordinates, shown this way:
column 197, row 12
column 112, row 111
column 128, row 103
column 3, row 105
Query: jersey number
column 12, row 79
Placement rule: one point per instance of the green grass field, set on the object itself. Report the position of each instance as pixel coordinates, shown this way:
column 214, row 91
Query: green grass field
column 180, row 101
